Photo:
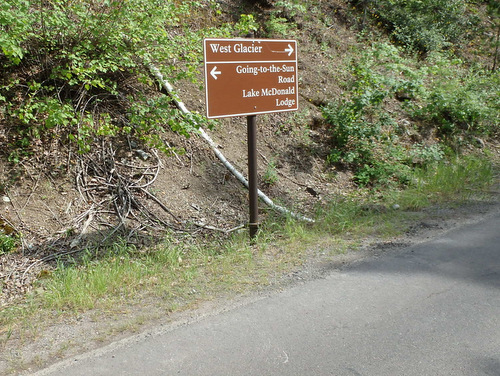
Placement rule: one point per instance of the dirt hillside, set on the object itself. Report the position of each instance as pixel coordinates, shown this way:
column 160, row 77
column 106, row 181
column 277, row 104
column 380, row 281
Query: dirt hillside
column 45, row 196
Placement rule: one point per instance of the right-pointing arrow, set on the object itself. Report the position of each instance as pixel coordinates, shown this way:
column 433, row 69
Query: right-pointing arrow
column 214, row 72
column 289, row 50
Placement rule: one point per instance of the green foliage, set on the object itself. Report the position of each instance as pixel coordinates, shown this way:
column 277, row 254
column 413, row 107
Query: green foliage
column 281, row 21
column 459, row 100
column 362, row 131
column 81, row 285
column 457, row 178
column 426, row 155
column 247, row 24
column 14, row 27
column 364, row 144
column 278, row 26
column 270, row 176
column 351, row 135
column 422, row 25
column 8, row 243
column 76, row 67
column 290, row 7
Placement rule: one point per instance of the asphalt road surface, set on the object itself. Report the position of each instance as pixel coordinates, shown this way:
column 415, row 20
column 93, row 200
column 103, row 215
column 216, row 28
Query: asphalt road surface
column 430, row 309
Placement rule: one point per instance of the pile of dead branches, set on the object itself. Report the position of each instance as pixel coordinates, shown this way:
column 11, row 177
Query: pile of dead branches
column 115, row 185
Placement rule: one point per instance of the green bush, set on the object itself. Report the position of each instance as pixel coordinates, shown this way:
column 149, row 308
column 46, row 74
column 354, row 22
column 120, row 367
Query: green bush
column 422, row 25
column 450, row 101
column 77, row 67
column 363, row 144
column 458, row 100
column 7, row 243
column 362, row 132
column 281, row 21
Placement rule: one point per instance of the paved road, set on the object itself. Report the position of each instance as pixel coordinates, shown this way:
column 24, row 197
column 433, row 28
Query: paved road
column 432, row 309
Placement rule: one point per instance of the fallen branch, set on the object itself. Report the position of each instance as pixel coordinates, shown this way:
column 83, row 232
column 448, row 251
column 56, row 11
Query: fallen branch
column 162, row 205
column 212, row 228
column 115, row 188
column 170, row 90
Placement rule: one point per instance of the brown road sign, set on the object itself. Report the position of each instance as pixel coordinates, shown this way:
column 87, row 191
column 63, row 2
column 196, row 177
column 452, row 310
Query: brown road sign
column 250, row 76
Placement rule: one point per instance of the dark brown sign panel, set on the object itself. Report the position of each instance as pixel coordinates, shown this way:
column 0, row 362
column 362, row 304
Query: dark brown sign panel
column 250, row 76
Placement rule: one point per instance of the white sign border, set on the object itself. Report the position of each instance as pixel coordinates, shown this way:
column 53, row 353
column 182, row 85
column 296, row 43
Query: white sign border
column 205, row 63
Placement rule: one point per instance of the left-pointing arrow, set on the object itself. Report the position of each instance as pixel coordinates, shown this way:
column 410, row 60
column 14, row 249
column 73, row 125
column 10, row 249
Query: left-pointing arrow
column 214, row 72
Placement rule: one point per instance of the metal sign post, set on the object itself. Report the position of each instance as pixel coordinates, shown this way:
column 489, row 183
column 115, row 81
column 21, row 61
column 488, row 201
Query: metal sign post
column 252, row 174
column 246, row 77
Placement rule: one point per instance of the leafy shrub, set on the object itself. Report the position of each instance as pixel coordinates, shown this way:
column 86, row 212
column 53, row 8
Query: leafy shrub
column 282, row 18
column 76, row 67
column 247, row 24
column 459, row 100
column 456, row 102
column 423, row 25
column 290, row 8
column 361, row 131
column 352, row 136
column 278, row 26
column 7, row 243
column 424, row 155
column 362, row 144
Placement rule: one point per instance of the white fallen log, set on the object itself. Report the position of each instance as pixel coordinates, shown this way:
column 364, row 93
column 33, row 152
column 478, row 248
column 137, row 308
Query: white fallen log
column 170, row 90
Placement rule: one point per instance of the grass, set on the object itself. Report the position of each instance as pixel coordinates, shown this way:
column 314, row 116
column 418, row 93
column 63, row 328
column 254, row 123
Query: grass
column 170, row 269
column 457, row 180
column 123, row 273
column 175, row 275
